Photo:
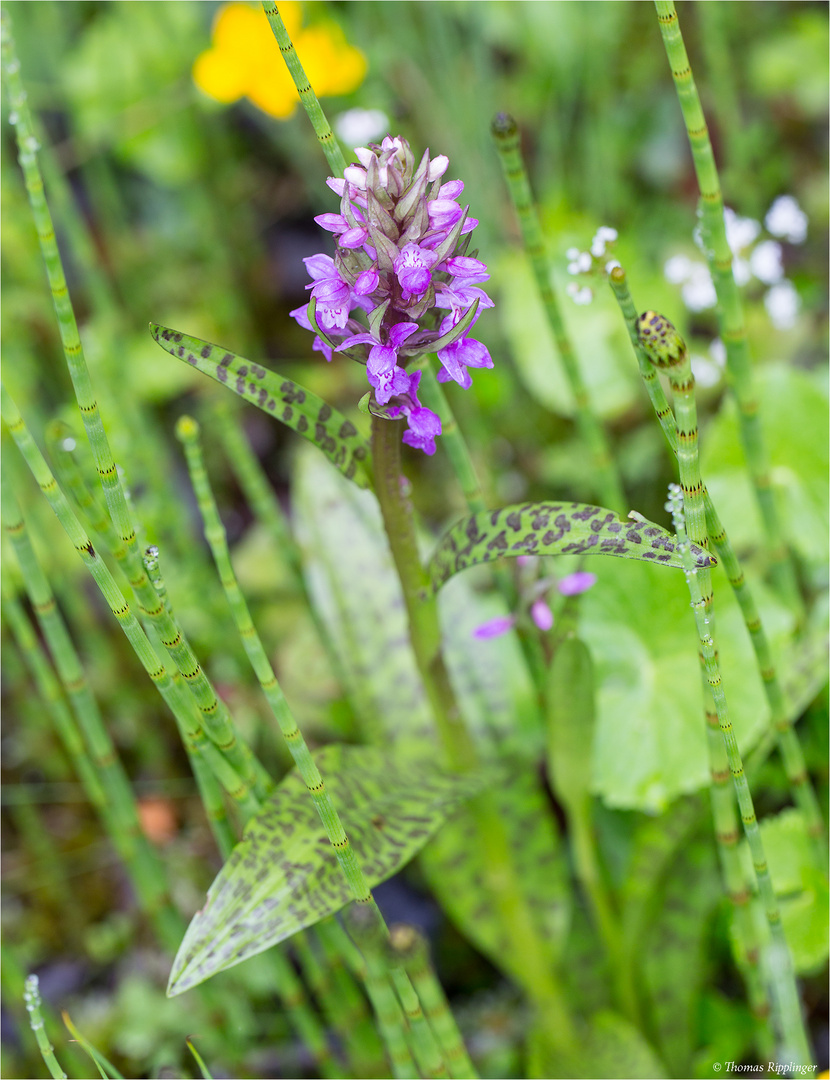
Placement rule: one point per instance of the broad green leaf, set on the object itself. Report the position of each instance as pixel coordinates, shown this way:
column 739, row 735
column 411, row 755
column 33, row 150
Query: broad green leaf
column 287, row 401
column 801, row 889
column 283, row 875
column 556, row 528
column 356, row 591
column 454, row 866
column 650, row 743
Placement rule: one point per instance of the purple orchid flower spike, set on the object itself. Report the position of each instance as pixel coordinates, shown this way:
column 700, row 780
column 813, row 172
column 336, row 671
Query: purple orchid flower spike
column 401, row 259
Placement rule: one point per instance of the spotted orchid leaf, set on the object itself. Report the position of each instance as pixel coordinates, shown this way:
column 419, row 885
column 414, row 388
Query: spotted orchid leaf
column 552, row 529
column 295, row 406
column 284, row 876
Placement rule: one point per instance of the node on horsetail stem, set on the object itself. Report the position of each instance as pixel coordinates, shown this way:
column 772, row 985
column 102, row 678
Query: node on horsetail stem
column 664, row 347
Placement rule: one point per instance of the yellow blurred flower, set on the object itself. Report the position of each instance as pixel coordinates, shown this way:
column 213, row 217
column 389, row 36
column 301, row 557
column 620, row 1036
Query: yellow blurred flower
column 245, row 60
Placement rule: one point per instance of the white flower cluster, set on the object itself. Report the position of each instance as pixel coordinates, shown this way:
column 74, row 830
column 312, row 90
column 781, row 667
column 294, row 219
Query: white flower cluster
column 588, row 262
column 761, row 260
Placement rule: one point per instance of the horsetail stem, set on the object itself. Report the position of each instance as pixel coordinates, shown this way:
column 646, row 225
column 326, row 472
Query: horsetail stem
column 31, row 997
column 409, row 945
column 187, row 431
column 458, row 747
column 506, row 136
column 730, row 308
column 785, row 991
column 122, row 817
column 217, row 720
column 236, row 787
column 780, row 721
column 311, row 104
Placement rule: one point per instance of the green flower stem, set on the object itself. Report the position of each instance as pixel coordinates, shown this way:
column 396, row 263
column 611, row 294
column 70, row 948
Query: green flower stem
column 217, row 720
column 730, row 309
column 311, row 104
column 785, row 991
column 187, row 430
column 31, row 997
column 506, row 136
column 122, row 817
column 459, row 749
column 412, row 949
column 780, row 720
column 236, row 787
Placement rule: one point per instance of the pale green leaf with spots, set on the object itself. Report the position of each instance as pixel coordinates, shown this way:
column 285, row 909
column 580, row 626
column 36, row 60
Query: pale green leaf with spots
column 284, row 876
column 293, row 405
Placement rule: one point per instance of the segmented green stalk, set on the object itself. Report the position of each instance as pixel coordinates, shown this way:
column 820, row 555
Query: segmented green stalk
column 311, row 104
column 216, row 717
column 785, row 992
column 122, row 819
column 659, row 346
column 780, row 721
column 457, row 743
column 410, row 946
column 236, row 787
column 90, row 510
column 730, row 309
column 506, row 136
column 187, row 430
column 31, row 997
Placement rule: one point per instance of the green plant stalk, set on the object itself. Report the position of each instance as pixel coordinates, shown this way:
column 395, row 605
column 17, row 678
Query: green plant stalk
column 409, row 945
column 91, row 513
column 317, row 975
column 730, row 309
column 31, row 997
column 187, row 430
column 459, row 749
column 310, row 102
column 665, row 350
column 236, row 787
column 506, row 137
column 105, row 1067
column 217, row 720
column 122, row 818
column 785, row 991
column 780, row 721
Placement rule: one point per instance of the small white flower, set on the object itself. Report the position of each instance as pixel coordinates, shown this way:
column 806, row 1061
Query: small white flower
column 717, row 351
column 677, row 269
column 604, row 232
column 580, row 294
column 706, row 372
column 782, row 303
column 741, row 271
column 573, row 267
column 361, row 125
column 572, row 253
column 765, row 262
column 612, row 264
column 740, row 232
column 698, row 292
column 597, row 247
column 585, row 261
column 786, row 219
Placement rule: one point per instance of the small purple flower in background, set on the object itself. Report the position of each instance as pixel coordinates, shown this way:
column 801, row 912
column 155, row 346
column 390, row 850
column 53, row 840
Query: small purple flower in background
column 541, row 614
column 494, row 627
column 402, row 239
column 576, row 583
